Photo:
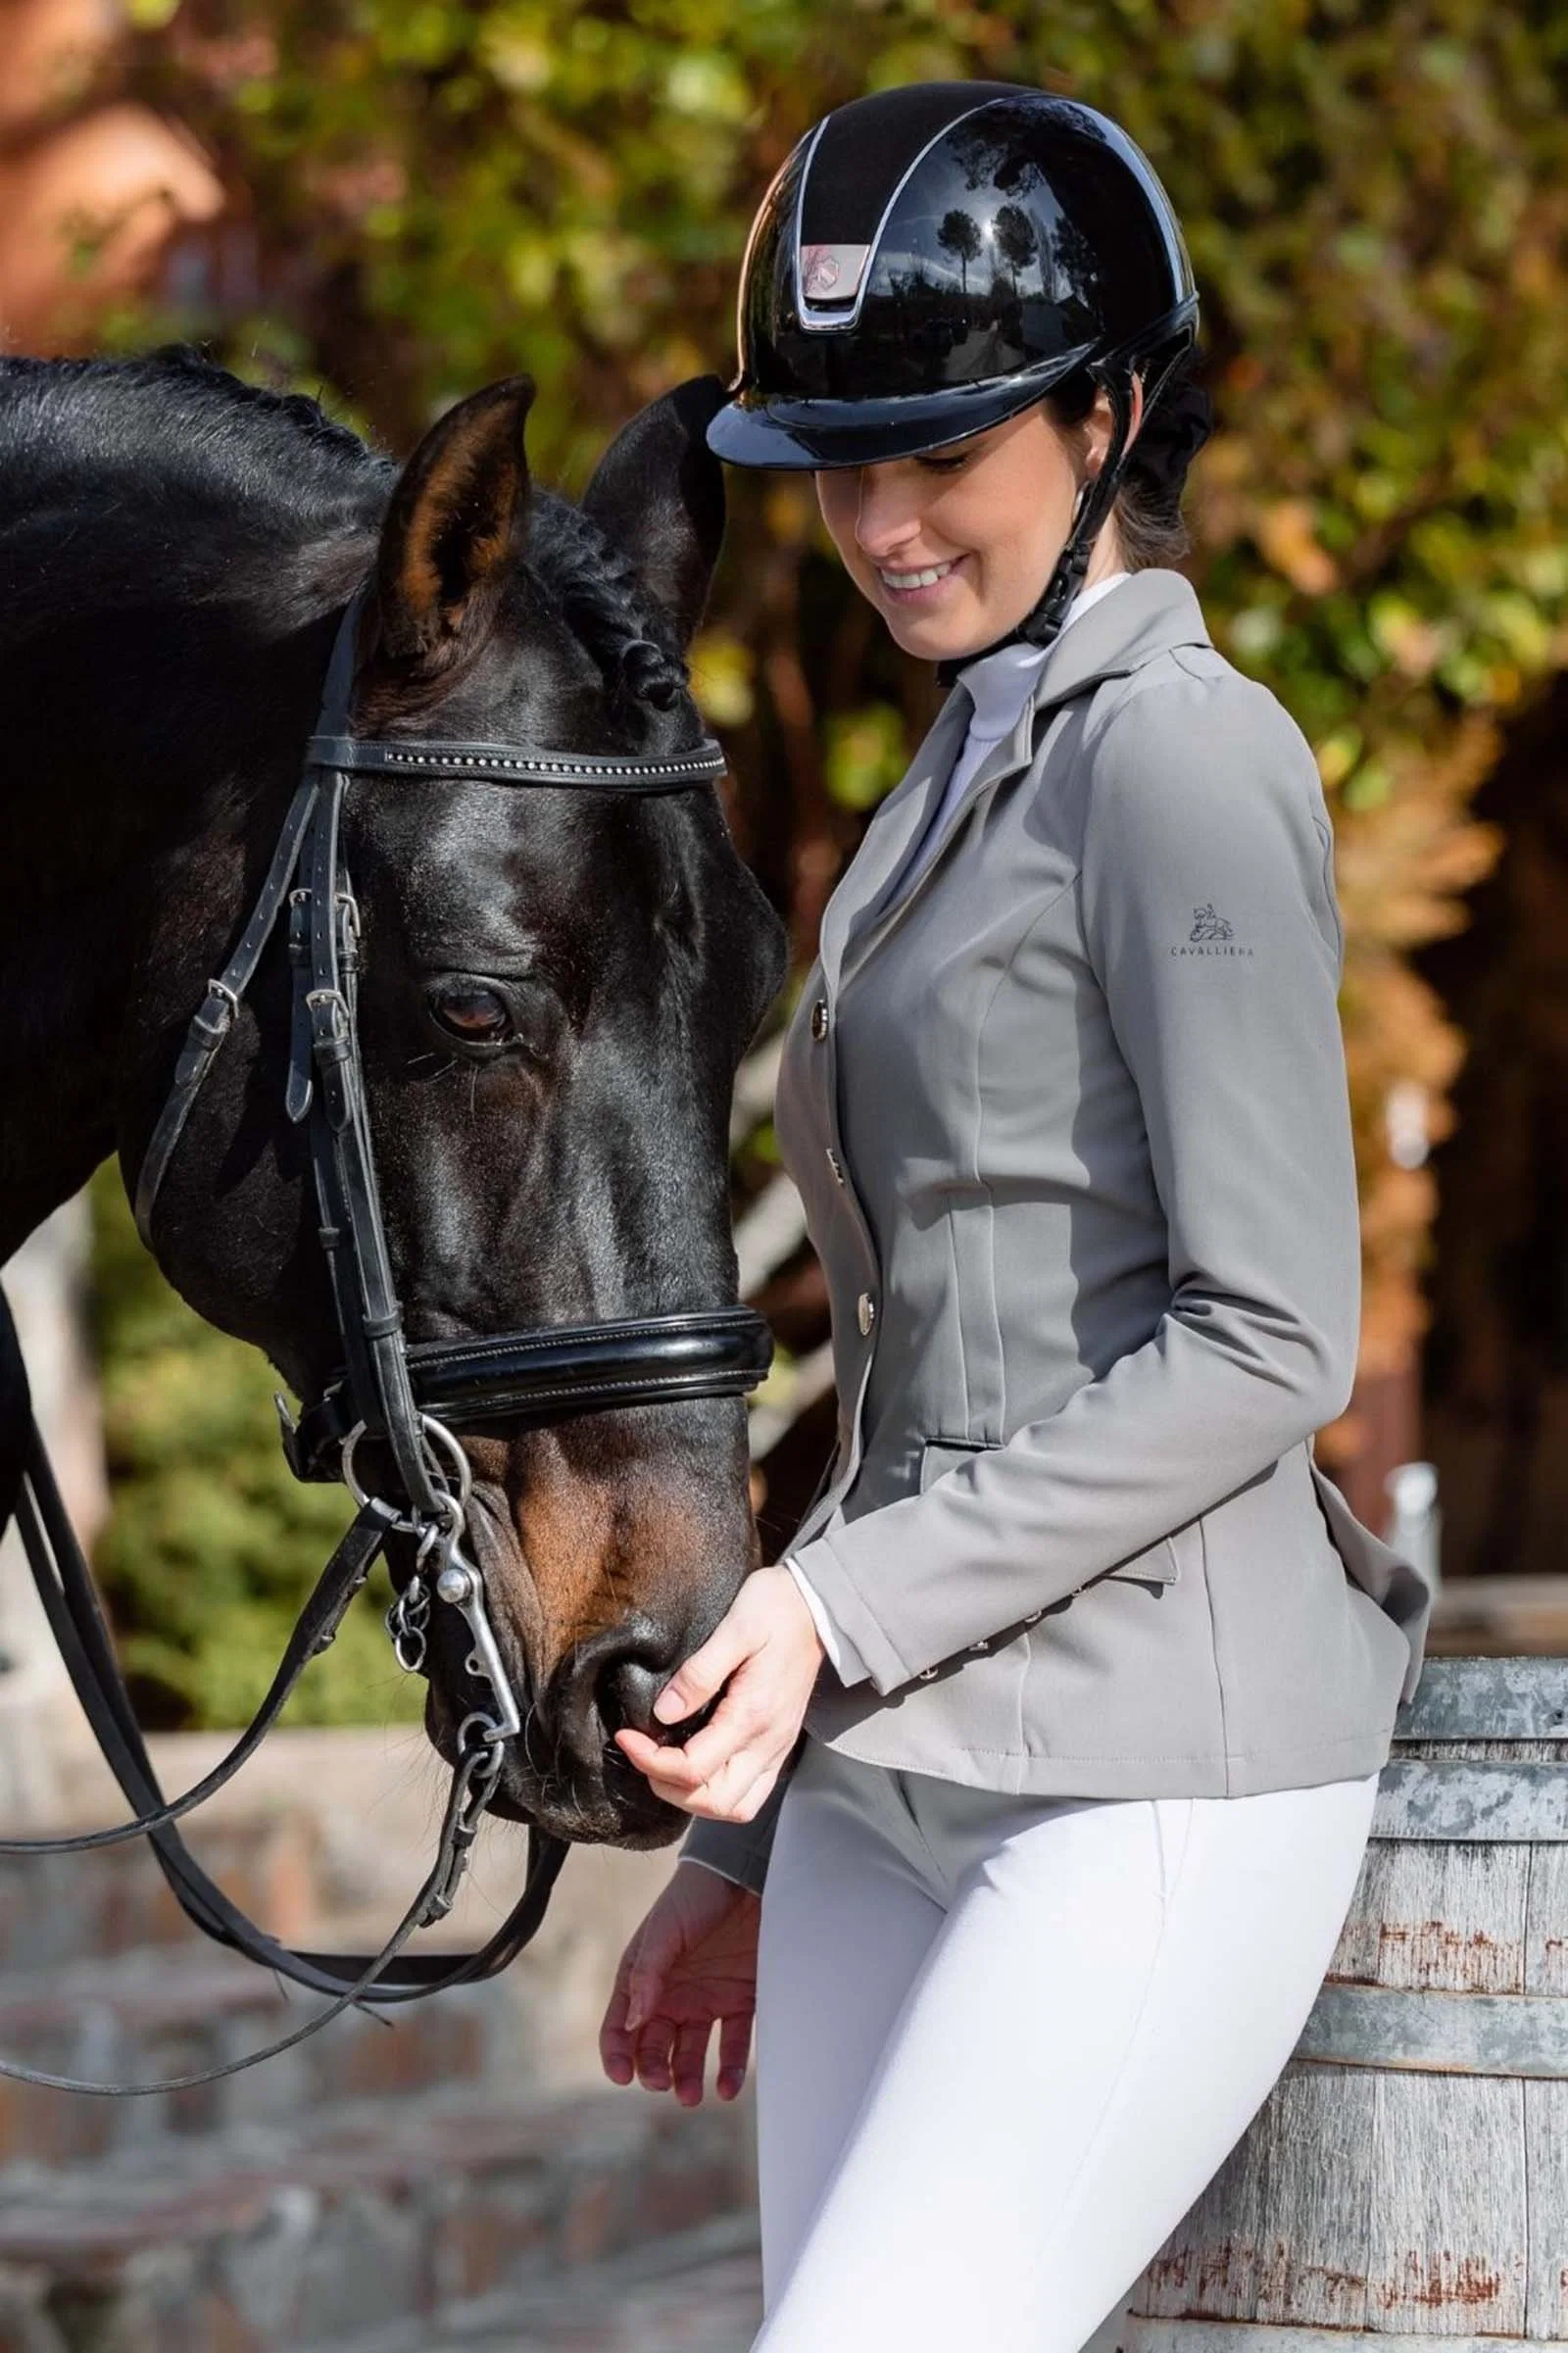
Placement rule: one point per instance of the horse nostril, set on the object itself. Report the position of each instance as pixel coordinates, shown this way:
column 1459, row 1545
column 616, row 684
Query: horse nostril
column 608, row 1684
column 625, row 1693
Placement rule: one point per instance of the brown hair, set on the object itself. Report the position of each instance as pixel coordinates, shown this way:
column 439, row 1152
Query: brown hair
column 1150, row 527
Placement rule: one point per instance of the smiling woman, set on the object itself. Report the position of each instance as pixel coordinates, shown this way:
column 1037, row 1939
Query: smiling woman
column 1108, row 1670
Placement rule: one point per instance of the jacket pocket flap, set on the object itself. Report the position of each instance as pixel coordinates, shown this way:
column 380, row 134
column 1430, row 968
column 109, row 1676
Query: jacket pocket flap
column 1157, row 1564
column 939, row 1455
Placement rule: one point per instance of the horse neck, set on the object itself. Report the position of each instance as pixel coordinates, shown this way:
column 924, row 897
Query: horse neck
column 130, row 775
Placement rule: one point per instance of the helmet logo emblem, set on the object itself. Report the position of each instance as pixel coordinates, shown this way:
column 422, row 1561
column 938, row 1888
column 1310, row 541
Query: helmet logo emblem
column 832, row 272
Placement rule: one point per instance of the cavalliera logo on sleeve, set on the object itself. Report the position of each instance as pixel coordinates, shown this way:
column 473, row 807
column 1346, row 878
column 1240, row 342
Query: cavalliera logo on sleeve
column 1211, row 935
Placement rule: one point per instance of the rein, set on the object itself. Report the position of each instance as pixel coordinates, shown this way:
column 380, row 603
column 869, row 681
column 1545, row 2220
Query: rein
column 412, row 1398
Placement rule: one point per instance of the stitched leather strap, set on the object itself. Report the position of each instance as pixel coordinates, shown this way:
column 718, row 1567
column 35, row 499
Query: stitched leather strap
column 214, row 1017
column 519, row 764
column 545, row 1375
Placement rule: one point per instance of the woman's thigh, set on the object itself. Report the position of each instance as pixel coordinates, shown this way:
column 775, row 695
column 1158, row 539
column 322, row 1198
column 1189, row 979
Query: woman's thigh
column 846, row 1924
column 1113, row 1991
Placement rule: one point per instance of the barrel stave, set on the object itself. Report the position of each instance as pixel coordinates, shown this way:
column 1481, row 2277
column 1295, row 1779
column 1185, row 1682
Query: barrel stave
column 1546, row 2172
column 1405, row 2184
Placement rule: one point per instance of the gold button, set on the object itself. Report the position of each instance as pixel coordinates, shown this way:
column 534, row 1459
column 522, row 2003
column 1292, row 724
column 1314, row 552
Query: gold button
column 819, row 1019
column 833, row 1163
column 865, row 1312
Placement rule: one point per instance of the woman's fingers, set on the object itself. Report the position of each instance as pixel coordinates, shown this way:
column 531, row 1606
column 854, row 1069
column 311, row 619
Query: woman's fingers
column 694, row 1684
column 615, row 2043
column 654, row 2046
column 614, row 2035
column 734, row 2042
column 732, row 1793
column 690, row 2059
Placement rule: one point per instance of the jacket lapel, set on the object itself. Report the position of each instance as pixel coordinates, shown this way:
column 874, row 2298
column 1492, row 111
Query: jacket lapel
column 895, row 824
column 1140, row 618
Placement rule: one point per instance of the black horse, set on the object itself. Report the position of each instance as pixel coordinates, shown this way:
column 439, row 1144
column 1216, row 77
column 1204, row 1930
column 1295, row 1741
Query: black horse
column 558, row 985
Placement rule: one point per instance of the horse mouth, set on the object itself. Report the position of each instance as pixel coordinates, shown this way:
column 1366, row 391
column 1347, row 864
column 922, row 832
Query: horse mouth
column 598, row 1798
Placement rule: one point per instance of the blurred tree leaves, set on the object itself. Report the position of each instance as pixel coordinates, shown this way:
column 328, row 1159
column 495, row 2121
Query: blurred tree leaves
column 212, row 1545
column 429, row 196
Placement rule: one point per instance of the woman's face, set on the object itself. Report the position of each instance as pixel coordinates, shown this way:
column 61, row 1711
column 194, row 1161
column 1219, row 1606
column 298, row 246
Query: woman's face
column 988, row 517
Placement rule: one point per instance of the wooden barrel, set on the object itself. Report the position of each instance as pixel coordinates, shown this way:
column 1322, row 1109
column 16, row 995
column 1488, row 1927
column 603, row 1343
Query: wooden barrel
column 1405, row 2183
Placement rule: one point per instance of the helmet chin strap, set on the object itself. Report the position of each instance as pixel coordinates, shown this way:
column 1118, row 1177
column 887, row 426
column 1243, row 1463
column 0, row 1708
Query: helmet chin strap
column 1040, row 626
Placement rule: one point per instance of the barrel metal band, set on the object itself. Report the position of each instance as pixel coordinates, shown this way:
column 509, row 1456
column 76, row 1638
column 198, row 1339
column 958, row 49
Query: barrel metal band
column 1136, row 2334
column 1487, row 1699
column 1421, row 2029
column 1472, row 1799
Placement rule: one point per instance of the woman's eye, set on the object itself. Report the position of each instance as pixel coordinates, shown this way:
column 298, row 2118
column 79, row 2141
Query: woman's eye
column 478, row 1017
column 944, row 465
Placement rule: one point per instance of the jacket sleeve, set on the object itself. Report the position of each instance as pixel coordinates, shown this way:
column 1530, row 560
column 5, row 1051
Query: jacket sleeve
column 1202, row 801
column 738, row 1851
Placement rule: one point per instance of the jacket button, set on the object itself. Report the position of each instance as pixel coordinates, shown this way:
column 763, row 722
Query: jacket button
column 865, row 1312
column 819, row 1019
column 833, row 1163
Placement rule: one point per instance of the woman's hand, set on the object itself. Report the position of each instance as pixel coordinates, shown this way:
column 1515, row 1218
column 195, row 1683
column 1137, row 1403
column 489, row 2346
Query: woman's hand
column 693, row 1961
column 764, row 1654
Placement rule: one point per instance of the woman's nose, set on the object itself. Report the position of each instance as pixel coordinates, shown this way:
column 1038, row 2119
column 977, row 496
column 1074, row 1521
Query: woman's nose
column 886, row 519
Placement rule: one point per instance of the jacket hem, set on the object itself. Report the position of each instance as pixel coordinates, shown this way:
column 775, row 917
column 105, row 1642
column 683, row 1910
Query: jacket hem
column 1241, row 1772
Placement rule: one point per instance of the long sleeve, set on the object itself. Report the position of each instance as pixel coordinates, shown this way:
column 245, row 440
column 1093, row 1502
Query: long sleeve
column 738, row 1851
column 1207, row 916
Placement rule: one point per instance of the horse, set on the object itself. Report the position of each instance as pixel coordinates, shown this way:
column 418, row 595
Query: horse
column 557, row 986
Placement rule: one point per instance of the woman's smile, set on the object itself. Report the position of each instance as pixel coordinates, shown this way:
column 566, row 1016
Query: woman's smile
column 919, row 584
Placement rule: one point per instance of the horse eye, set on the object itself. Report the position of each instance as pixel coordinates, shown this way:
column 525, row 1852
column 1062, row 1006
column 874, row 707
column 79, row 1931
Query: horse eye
column 478, row 1017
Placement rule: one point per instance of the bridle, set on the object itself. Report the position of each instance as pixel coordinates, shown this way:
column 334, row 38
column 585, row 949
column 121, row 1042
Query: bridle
column 411, row 1400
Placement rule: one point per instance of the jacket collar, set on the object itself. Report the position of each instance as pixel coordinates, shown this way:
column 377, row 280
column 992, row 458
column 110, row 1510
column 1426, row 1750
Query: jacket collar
column 1141, row 616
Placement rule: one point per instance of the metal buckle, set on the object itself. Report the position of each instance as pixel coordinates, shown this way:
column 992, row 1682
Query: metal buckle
column 438, row 1439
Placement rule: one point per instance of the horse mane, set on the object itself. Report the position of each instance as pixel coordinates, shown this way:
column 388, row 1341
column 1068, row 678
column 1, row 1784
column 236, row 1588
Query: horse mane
column 168, row 451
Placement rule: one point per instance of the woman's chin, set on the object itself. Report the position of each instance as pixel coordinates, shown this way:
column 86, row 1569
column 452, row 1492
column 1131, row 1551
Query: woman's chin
column 937, row 636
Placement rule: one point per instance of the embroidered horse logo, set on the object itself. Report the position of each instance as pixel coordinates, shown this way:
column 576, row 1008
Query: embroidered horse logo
column 1210, row 926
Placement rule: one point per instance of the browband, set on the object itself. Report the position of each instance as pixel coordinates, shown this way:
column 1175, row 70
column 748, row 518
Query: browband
column 517, row 763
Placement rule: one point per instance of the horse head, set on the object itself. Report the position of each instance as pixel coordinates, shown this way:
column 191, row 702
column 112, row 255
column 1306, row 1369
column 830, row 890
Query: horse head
column 556, row 989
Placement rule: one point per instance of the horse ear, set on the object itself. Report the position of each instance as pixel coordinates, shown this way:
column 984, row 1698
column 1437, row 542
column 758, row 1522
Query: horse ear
column 659, row 492
column 455, row 526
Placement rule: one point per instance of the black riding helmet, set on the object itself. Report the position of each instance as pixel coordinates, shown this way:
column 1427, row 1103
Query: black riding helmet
column 933, row 259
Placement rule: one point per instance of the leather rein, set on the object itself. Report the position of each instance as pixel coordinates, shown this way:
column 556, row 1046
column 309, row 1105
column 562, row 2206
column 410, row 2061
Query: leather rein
column 412, row 1399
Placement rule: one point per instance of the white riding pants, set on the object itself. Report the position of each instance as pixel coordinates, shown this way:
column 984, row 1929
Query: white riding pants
column 1003, row 2042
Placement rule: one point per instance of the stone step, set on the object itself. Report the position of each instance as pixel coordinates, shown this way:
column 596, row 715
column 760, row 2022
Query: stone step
column 699, row 2291
column 151, row 2014
column 272, row 2239
column 55, row 1909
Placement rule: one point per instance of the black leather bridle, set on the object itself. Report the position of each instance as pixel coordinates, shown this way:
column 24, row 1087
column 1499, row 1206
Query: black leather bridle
column 411, row 1399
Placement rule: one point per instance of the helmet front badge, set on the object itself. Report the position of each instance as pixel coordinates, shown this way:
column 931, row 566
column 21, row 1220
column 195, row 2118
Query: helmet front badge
column 832, row 272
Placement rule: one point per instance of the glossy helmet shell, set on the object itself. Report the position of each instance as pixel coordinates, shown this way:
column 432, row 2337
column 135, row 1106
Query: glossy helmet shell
column 933, row 259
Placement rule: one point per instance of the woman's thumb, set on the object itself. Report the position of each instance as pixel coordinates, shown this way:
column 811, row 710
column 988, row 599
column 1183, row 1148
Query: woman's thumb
column 645, row 1982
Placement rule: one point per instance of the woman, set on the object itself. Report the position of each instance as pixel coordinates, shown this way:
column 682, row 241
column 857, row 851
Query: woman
column 1096, row 1671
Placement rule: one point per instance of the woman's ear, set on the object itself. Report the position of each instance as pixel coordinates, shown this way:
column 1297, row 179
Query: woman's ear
column 1098, row 422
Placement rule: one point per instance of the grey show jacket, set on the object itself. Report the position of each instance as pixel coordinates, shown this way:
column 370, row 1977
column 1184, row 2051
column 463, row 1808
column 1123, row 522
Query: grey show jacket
column 1070, row 1119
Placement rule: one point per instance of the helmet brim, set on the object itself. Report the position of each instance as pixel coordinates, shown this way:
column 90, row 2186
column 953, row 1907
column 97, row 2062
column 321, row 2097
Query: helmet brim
column 815, row 434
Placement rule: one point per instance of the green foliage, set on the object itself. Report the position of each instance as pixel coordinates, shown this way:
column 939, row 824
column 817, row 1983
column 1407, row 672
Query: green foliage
column 430, row 194
column 212, row 1545
column 864, row 754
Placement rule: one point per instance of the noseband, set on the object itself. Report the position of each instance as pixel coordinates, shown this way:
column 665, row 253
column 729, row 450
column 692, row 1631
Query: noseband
column 413, row 1399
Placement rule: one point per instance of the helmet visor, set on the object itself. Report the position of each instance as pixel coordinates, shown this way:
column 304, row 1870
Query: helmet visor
column 756, row 429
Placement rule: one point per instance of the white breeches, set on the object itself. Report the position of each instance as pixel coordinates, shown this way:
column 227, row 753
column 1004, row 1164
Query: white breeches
column 1003, row 2042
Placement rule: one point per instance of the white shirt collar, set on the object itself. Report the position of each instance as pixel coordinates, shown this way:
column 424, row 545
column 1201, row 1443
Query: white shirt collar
column 1000, row 683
